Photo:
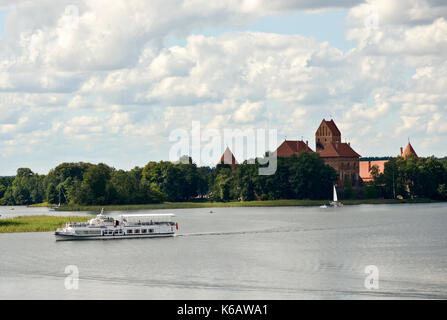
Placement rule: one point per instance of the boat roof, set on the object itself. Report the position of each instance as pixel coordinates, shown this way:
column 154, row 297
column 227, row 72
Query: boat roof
column 147, row 215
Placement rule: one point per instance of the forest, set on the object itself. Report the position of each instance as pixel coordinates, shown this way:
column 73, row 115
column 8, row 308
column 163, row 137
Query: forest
column 298, row 177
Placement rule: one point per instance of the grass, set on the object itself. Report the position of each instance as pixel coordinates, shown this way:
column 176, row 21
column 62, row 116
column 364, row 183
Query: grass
column 208, row 204
column 43, row 205
column 37, row 223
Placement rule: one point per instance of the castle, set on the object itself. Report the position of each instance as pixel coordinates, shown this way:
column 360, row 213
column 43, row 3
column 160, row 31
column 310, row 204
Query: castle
column 339, row 155
column 366, row 166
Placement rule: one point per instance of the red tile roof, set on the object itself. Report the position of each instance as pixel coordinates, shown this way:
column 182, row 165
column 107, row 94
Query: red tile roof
column 291, row 147
column 228, row 158
column 409, row 150
column 338, row 149
column 332, row 126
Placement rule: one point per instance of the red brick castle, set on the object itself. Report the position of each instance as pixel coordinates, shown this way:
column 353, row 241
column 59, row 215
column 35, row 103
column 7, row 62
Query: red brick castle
column 339, row 155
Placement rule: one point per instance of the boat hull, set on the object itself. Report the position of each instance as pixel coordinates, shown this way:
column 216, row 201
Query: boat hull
column 66, row 237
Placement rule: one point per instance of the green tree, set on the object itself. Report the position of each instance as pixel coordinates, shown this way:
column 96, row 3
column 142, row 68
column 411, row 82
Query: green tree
column 431, row 175
column 442, row 191
column 52, row 195
column 2, row 190
column 370, row 190
column 348, row 192
column 221, row 190
column 94, row 185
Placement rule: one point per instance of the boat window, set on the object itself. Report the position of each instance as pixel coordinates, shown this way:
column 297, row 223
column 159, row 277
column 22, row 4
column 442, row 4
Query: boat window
column 137, row 231
column 129, row 231
column 143, row 231
column 151, row 230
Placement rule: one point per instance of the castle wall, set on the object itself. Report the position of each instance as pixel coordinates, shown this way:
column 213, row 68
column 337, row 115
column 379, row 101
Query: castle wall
column 345, row 167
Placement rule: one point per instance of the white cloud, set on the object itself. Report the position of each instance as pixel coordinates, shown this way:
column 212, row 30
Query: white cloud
column 84, row 76
column 249, row 112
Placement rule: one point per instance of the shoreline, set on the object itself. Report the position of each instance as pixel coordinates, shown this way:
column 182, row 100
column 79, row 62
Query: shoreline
column 192, row 205
column 49, row 223
column 40, row 223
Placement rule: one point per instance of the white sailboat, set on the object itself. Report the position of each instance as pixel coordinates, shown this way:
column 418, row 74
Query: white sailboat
column 334, row 203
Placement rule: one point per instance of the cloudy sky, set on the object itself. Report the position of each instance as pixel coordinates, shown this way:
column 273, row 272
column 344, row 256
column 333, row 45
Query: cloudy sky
column 108, row 81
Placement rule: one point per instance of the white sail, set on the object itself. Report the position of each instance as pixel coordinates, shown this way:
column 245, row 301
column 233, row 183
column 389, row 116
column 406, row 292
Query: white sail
column 335, row 195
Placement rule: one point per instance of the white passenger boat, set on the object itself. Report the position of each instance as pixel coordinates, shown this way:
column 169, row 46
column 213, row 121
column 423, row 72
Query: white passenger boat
column 123, row 227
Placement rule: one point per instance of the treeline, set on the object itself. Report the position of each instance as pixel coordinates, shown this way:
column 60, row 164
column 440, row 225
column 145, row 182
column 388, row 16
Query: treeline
column 408, row 178
column 302, row 177
column 374, row 158
column 299, row 177
column 89, row 184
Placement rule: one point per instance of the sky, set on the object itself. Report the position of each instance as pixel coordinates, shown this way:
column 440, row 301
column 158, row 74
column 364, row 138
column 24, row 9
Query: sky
column 101, row 81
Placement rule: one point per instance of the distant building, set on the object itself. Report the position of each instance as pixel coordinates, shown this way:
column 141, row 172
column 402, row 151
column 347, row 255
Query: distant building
column 408, row 151
column 365, row 168
column 337, row 154
column 292, row 147
column 228, row 158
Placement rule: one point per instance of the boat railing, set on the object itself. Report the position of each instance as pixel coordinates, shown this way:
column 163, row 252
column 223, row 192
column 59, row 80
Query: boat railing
column 77, row 224
column 151, row 223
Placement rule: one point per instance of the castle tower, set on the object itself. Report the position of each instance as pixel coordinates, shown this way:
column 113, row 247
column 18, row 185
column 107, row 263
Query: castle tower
column 337, row 154
column 326, row 134
column 408, row 151
column 228, row 158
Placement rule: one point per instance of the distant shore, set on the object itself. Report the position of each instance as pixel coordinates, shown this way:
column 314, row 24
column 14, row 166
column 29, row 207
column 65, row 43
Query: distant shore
column 207, row 204
column 45, row 223
column 40, row 223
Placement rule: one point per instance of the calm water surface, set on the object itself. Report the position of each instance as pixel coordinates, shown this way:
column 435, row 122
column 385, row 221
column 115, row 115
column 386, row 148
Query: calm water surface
column 242, row 253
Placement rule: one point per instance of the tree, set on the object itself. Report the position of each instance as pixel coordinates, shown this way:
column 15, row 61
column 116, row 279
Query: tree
column 2, row 190
column 221, row 189
column 93, row 187
column 370, row 190
column 244, row 181
column 24, row 173
column 52, row 195
column 203, row 181
column 348, row 192
column 442, row 191
column 393, row 178
column 431, row 175
column 26, row 188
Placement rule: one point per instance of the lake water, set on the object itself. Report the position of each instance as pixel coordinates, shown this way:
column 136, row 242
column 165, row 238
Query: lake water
column 242, row 253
